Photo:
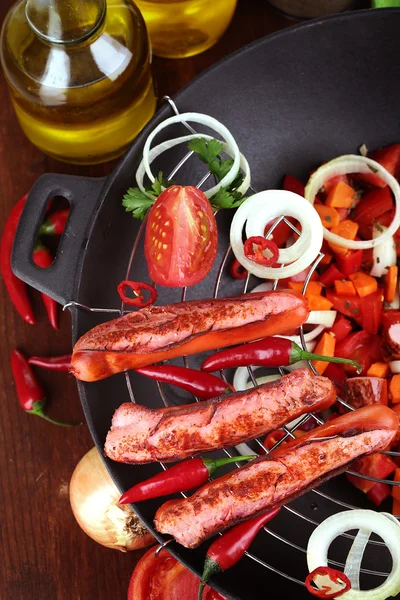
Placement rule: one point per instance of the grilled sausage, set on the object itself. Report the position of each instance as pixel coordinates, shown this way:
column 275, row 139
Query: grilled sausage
column 139, row 434
column 391, row 335
column 276, row 479
column 362, row 391
column 158, row 333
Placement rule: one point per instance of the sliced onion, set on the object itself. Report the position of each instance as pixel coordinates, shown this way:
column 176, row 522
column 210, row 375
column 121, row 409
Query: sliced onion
column 363, row 150
column 384, row 255
column 263, row 287
column 367, row 521
column 343, row 165
column 274, row 203
column 244, row 449
column 395, row 366
column 230, row 146
column 322, row 317
column 242, row 381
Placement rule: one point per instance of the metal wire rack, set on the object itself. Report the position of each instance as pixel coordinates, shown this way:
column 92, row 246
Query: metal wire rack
column 289, row 432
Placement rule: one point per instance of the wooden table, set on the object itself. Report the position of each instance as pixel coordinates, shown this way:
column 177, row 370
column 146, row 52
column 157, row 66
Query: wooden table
column 44, row 554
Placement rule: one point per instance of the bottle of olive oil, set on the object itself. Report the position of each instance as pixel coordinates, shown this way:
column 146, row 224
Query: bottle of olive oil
column 181, row 28
column 79, row 75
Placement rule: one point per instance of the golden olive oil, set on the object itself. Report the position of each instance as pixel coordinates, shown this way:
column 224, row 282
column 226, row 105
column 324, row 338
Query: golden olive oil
column 181, row 28
column 81, row 90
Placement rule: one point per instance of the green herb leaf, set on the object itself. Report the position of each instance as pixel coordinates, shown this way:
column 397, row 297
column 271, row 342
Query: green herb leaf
column 158, row 184
column 225, row 199
column 136, row 202
column 206, row 150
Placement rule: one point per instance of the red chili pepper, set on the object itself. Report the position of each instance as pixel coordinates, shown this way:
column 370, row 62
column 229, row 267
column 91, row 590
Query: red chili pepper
column 55, row 223
column 202, row 385
column 256, row 254
column 52, row 363
column 43, row 258
column 237, row 271
column 17, row 289
column 30, row 393
column 229, row 548
column 137, row 287
column 269, row 352
column 335, row 576
column 185, row 476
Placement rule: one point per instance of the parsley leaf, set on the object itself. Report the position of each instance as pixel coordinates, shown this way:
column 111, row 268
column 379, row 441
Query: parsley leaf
column 137, row 203
column 207, row 151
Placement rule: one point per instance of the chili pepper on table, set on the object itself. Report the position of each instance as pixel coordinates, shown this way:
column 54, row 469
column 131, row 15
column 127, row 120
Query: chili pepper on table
column 326, row 591
column 236, row 270
column 182, row 477
column 52, row 363
column 269, row 352
column 16, row 288
column 43, row 258
column 31, row 395
column 255, row 246
column 229, row 548
column 200, row 384
column 137, row 287
column 55, row 223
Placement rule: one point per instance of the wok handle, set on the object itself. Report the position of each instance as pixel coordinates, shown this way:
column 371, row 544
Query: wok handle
column 83, row 194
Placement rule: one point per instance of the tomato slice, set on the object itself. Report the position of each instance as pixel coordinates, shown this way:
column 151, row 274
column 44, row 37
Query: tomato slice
column 161, row 577
column 181, row 238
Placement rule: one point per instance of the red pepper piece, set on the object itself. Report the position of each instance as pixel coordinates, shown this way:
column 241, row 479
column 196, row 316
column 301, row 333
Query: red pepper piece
column 256, row 254
column 269, row 352
column 43, row 258
column 52, row 363
column 182, row 477
column 351, row 262
column 371, row 310
column 350, row 306
column 337, row 375
column 230, row 547
column 30, row 393
column 376, row 465
column 388, row 157
column 137, row 287
column 292, row 184
column 379, row 493
column 202, row 385
column 373, row 204
column 341, row 328
column 16, row 288
column 327, row 591
column 331, row 274
column 236, row 270
column 55, row 223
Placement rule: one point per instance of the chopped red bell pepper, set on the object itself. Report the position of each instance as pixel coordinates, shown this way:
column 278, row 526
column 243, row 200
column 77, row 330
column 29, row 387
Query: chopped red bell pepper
column 341, row 328
column 337, row 375
column 388, row 157
column 350, row 263
column 331, row 274
column 378, row 465
column 373, row 204
column 330, row 183
column 281, row 233
column 292, row 184
column 350, row 306
column 361, row 347
column 379, row 493
column 371, row 310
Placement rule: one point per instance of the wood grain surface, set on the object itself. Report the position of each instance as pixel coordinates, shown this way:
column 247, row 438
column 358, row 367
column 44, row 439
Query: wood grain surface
column 43, row 554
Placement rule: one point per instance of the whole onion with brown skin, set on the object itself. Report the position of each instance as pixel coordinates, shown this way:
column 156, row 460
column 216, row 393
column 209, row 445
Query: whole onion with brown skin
column 94, row 502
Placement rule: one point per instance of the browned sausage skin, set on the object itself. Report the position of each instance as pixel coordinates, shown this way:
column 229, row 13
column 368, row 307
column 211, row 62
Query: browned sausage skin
column 158, row 333
column 273, row 480
column 139, row 434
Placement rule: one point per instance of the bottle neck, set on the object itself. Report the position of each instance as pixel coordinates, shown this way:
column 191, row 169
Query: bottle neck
column 65, row 21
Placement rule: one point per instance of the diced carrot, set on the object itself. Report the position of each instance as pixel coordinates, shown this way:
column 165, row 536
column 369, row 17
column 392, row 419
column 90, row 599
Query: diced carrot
column 391, row 283
column 318, row 303
column 364, row 283
column 396, row 507
column 396, row 488
column 378, row 369
column 326, row 260
column 314, row 288
column 344, row 288
column 341, row 195
column 328, row 215
column 326, row 347
column 346, row 229
column 394, row 389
